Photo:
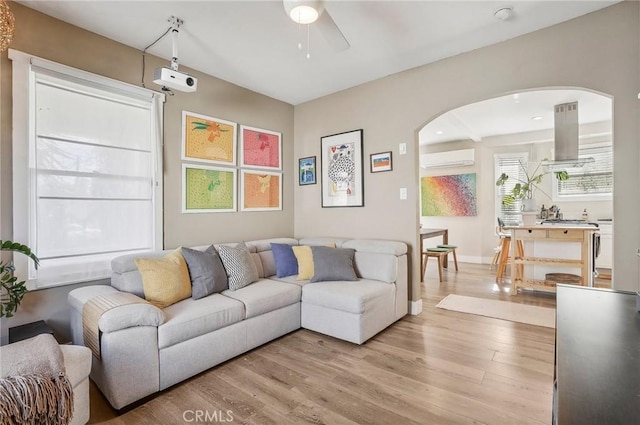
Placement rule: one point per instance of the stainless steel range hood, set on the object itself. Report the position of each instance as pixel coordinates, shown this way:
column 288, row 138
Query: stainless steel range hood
column 566, row 139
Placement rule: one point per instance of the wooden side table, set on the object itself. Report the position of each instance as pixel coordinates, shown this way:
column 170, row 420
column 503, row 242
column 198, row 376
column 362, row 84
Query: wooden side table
column 28, row 330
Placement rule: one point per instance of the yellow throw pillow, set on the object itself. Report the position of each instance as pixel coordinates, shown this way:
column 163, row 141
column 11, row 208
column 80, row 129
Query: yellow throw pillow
column 305, row 262
column 165, row 280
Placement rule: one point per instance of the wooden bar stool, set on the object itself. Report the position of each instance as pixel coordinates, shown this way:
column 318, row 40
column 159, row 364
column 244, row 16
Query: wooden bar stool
column 440, row 254
column 451, row 248
column 496, row 256
column 505, row 258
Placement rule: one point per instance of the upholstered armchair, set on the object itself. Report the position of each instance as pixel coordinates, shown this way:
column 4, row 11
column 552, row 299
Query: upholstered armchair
column 38, row 378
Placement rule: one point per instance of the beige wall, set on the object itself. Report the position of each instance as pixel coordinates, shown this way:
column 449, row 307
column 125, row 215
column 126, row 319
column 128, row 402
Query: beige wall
column 52, row 39
column 599, row 51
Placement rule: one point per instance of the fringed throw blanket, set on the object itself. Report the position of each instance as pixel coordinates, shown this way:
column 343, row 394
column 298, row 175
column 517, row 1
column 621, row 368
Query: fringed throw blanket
column 95, row 308
column 34, row 388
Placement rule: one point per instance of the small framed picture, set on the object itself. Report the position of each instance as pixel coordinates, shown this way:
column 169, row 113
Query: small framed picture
column 381, row 162
column 307, row 170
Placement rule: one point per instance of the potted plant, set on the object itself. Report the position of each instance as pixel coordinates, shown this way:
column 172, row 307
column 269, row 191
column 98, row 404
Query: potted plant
column 12, row 291
column 524, row 189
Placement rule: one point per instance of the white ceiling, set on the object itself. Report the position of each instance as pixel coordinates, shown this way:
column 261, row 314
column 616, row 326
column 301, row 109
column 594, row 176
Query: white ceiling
column 514, row 113
column 254, row 43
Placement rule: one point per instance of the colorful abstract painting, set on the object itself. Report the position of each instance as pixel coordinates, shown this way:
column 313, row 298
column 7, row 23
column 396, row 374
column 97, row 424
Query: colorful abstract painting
column 449, row 195
column 208, row 139
column 260, row 148
column 261, row 191
column 208, row 189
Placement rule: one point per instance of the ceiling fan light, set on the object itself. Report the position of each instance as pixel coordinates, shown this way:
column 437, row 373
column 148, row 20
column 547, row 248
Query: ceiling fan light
column 304, row 14
column 303, row 11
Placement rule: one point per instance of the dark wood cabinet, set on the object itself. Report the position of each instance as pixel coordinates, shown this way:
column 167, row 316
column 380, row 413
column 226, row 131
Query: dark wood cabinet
column 597, row 367
column 28, row 330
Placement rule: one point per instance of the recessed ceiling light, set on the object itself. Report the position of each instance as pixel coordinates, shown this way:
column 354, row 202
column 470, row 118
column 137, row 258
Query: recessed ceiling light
column 439, row 132
column 536, row 118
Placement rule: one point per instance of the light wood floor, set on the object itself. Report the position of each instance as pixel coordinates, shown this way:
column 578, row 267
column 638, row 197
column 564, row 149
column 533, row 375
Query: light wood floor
column 441, row 367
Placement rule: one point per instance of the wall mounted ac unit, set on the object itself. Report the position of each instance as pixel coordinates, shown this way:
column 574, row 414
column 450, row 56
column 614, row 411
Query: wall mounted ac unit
column 459, row 158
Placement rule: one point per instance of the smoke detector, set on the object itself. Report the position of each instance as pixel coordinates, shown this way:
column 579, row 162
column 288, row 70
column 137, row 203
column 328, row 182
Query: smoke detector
column 503, row 14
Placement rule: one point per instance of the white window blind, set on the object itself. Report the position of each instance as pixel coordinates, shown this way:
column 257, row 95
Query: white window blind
column 593, row 178
column 509, row 164
column 93, row 175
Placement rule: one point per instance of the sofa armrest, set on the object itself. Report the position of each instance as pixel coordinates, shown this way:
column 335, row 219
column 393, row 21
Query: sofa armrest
column 121, row 317
column 130, row 315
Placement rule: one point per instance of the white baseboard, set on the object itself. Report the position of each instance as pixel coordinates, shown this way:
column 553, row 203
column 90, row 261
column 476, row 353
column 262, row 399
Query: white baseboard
column 415, row 307
column 469, row 259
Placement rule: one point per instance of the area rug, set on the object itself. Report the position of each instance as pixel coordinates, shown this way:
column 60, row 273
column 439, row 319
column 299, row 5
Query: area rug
column 506, row 310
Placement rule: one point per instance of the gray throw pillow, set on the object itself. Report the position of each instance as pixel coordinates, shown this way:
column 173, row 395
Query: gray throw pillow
column 241, row 270
column 333, row 264
column 206, row 272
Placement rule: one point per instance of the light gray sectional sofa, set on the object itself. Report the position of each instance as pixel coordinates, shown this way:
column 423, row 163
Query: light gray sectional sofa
column 145, row 349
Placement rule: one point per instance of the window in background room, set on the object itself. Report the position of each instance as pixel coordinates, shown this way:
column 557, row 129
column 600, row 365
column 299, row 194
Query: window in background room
column 594, row 180
column 509, row 164
column 87, row 170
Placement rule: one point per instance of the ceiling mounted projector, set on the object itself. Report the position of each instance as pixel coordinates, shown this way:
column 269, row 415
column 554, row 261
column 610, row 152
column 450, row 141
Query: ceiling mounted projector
column 170, row 77
column 175, row 79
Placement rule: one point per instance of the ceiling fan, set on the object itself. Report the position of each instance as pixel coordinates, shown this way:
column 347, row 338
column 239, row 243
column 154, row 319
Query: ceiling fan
column 310, row 11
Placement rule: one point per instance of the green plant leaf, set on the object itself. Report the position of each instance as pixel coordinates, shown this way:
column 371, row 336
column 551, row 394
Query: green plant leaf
column 17, row 247
column 12, row 291
column 502, row 179
column 508, row 200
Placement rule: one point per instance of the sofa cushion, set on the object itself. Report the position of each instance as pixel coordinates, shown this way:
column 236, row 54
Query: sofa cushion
column 305, row 261
column 206, row 272
column 264, row 253
column 125, row 276
column 353, row 297
column 331, row 264
column 323, row 241
column 291, row 280
column 286, row 262
column 191, row 318
column 166, row 280
column 240, row 267
column 266, row 295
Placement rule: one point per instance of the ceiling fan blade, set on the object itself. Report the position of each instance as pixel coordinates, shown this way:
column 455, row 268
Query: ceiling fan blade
column 331, row 32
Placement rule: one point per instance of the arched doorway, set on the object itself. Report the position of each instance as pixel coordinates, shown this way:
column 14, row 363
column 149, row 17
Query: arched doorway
column 471, row 140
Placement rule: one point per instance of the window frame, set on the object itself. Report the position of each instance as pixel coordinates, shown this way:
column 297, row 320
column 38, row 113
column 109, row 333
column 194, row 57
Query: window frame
column 25, row 230
column 521, row 156
column 557, row 197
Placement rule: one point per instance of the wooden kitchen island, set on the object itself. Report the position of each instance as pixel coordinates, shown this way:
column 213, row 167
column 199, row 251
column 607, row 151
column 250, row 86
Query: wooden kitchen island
column 582, row 235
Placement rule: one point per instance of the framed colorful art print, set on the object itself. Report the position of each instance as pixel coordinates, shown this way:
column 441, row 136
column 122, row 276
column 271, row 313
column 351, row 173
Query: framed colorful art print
column 381, row 162
column 342, row 171
column 260, row 148
column 307, row 170
column 208, row 189
column 208, row 139
column 260, row 191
